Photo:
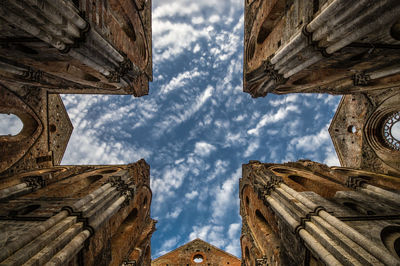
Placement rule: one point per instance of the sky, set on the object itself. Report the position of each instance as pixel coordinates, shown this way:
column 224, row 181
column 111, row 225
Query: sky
column 197, row 127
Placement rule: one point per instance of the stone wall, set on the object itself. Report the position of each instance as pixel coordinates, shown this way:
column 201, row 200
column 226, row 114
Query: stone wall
column 196, row 252
column 336, row 47
column 93, row 215
column 349, row 217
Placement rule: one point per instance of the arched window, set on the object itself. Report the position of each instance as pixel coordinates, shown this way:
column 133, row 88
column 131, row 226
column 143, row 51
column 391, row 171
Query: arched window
column 10, row 125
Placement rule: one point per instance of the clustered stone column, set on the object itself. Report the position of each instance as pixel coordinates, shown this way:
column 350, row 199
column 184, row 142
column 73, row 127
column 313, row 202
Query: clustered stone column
column 316, row 40
column 58, row 239
column 332, row 240
column 58, row 23
column 27, row 185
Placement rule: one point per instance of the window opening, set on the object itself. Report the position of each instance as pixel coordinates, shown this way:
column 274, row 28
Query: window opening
column 352, row 129
column 391, row 131
column 198, row 258
column 10, row 125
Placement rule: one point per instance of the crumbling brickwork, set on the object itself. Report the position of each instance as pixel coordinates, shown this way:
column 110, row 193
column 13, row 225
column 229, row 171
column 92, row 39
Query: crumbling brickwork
column 196, row 253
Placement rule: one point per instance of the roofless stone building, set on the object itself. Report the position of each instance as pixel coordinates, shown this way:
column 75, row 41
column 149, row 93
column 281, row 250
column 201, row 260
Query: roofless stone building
column 77, row 214
column 324, row 46
column 197, row 253
column 306, row 213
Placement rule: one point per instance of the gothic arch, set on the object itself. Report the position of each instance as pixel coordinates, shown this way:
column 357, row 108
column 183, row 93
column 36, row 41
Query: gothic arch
column 13, row 148
column 302, row 180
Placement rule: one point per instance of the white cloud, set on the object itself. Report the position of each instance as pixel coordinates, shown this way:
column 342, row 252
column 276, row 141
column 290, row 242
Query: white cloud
column 203, row 148
column 233, row 230
column 213, row 19
column 191, row 195
column 170, row 39
column 197, row 20
column 189, row 109
column 181, row 80
column 286, row 99
column 196, row 48
column 252, row 147
column 332, row 159
column 220, row 168
column 214, row 234
column 174, row 214
column 165, row 187
column 167, row 245
column 225, row 196
column 312, row 142
column 269, row 118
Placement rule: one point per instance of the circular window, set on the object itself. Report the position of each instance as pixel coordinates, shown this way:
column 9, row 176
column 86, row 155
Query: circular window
column 391, row 131
column 198, row 258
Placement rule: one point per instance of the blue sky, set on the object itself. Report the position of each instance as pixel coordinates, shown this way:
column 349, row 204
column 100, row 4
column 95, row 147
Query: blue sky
column 196, row 127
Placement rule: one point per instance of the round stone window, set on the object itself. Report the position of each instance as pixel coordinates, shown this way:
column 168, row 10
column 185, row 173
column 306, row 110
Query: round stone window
column 198, row 258
column 391, row 131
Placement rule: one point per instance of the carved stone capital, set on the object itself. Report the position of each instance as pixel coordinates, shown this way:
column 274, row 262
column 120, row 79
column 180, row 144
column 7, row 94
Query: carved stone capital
column 33, row 75
column 262, row 262
column 34, row 181
column 114, row 77
column 354, row 182
column 361, row 79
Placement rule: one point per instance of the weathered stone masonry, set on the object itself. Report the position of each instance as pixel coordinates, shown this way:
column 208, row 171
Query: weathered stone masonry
column 305, row 213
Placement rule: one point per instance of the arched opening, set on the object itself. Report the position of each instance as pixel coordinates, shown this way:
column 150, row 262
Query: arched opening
column 281, row 170
column 126, row 233
column 395, row 30
column 25, row 49
column 298, row 179
column 352, row 129
column 145, row 200
column 94, row 178
column 357, row 208
column 132, row 216
column 272, row 19
column 24, row 210
column 390, row 237
column 262, row 223
column 198, row 258
column 10, row 125
column 109, row 171
column 247, row 256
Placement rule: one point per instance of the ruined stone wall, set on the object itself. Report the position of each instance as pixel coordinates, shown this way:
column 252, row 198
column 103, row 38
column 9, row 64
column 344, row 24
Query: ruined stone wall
column 94, row 215
column 77, row 46
column 361, row 132
column 46, row 129
column 337, row 47
column 308, row 213
column 196, row 252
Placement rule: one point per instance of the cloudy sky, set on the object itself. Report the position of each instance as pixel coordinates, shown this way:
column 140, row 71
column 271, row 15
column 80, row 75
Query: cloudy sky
column 196, row 127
